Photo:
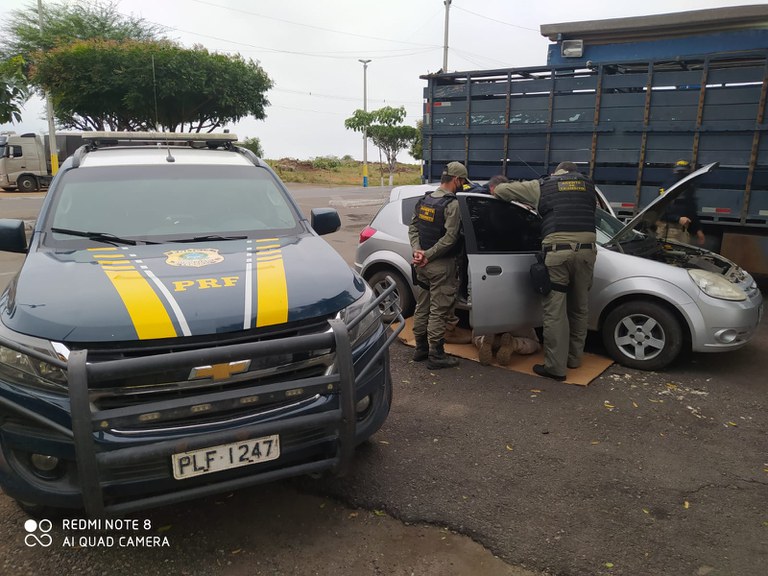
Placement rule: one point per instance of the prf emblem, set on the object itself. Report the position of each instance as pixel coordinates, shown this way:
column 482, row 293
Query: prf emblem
column 194, row 257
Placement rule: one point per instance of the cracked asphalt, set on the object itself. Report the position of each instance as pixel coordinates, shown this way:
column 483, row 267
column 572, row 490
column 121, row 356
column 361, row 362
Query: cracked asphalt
column 482, row 471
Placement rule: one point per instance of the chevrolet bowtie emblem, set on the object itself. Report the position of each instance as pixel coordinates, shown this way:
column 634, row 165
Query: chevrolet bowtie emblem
column 219, row 371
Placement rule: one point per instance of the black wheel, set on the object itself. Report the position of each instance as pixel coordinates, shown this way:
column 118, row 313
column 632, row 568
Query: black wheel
column 642, row 335
column 27, row 184
column 401, row 298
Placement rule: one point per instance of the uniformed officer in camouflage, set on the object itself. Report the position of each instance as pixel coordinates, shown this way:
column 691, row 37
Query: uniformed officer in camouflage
column 567, row 208
column 566, row 202
column 434, row 234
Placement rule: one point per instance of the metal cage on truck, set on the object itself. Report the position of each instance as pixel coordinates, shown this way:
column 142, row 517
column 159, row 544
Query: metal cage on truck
column 626, row 120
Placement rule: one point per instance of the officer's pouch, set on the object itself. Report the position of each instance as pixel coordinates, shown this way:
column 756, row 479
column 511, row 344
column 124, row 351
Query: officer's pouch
column 415, row 279
column 540, row 276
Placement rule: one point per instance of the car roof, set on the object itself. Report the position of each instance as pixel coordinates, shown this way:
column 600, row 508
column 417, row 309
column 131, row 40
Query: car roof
column 159, row 155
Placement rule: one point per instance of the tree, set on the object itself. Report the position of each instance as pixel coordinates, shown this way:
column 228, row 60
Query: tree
column 13, row 92
column 66, row 22
column 383, row 126
column 254, row 145
column 135, row 85
column 417, row 146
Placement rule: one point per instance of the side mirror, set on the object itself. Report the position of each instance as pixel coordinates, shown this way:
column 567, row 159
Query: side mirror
column 325, row 220
column 13, row 237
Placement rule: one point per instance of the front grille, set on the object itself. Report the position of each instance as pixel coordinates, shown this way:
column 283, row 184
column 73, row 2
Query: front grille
column 222, row 397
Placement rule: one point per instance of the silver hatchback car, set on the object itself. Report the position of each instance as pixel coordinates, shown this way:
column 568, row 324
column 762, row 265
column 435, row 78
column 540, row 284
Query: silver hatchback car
column 650, row 299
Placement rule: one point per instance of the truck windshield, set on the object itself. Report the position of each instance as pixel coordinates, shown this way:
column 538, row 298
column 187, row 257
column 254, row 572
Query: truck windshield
column 171, row 203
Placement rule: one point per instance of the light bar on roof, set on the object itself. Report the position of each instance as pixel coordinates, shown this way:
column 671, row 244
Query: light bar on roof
column 160, row 136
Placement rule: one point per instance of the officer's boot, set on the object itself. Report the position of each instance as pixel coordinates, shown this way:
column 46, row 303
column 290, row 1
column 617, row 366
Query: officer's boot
column 439, row 359
column 422, row 349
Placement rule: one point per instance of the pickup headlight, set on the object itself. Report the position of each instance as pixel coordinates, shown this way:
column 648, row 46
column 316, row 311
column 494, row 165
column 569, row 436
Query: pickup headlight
column 716, row 286
column 19, row 368
column 368, row 324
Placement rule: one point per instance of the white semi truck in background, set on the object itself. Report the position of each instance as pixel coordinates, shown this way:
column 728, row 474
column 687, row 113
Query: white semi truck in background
column 25, row 160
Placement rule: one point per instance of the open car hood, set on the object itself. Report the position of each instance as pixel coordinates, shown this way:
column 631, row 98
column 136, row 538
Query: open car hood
column 651, row 213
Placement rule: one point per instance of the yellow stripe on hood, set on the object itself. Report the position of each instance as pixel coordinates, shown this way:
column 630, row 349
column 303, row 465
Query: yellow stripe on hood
column 271, row 285
column 148, row 314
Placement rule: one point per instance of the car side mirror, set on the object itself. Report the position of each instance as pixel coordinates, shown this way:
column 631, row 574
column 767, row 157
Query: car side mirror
column 13, row 237
column 325, row 220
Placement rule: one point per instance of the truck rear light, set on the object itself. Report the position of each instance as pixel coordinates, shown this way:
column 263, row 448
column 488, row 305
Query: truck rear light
column 366, row 233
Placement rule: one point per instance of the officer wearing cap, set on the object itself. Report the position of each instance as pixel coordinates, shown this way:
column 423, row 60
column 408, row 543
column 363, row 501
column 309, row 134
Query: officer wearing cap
column 434, row 235
column 567, row 208
column 566, row 202
column 680, row 219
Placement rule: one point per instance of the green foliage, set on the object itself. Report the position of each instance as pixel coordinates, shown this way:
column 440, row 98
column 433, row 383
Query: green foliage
column 383, row 127
column 13, row 92
column 108, row 85
column 327, row 163
column 254, row 145
column 417, row 146
column 65, row 22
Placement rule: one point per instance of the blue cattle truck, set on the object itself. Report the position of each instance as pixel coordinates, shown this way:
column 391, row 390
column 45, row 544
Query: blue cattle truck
column 625, row 99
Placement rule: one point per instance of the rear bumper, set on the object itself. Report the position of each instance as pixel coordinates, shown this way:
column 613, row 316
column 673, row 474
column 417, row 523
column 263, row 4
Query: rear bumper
column 109, row 467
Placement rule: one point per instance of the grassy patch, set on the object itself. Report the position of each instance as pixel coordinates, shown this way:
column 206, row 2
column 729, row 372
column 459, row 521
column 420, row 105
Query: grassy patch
column 333, row 171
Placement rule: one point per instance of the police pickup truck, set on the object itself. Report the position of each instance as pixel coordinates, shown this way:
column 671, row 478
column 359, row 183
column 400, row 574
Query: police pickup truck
column 179, row 329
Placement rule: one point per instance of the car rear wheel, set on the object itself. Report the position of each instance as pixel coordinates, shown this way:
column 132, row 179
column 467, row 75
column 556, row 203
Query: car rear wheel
column 27, row 184
column 401, row 298
column 642, row 335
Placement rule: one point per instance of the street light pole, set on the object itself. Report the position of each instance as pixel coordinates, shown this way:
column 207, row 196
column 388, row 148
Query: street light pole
column 365, row 132
column 445, row 35
column 49, row 107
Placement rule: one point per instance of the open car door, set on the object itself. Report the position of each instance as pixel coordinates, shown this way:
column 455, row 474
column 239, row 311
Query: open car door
column 502, row 239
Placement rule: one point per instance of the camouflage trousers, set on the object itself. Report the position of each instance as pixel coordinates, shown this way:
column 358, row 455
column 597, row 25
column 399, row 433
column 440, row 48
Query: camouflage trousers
column 435, row 306
column 502, row 347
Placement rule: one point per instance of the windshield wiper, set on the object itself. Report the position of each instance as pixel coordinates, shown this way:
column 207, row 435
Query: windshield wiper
column 210, row 237
column 99, row 236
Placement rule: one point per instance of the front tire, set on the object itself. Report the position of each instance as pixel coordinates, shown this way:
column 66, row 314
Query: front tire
column 643, row 335
column 27, row 184
column 401, row 298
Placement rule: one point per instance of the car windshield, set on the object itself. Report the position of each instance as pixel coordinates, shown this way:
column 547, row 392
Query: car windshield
column 165, row 204
column 607, row 226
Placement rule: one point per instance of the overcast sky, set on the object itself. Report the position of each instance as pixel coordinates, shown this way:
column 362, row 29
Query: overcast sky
column 311, row 48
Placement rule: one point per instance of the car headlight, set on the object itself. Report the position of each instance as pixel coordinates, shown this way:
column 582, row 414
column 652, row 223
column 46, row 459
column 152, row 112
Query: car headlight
column 716, row 286
column 369, row 323
column 20, row 368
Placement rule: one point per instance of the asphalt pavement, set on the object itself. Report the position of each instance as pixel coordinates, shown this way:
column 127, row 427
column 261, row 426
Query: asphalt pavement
column 482, row 471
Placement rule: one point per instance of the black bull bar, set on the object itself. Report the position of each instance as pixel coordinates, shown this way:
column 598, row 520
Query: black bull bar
column 88, row 421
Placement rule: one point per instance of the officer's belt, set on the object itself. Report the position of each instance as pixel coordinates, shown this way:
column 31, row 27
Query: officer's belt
column 575, row 246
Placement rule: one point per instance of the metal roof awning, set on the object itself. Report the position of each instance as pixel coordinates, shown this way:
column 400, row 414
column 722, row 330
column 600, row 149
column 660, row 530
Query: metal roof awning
column 661, row 25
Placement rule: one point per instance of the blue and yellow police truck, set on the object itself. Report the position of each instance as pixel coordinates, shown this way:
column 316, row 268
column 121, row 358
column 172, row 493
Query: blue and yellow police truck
column 177, row 329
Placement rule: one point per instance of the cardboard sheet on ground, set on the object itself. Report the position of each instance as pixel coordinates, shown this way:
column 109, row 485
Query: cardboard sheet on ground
column 592, row 364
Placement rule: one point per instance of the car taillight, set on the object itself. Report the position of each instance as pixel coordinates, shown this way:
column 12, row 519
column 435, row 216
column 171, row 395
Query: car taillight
column 366, row 233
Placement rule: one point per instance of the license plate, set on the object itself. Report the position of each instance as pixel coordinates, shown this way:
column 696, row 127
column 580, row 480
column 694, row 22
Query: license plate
column 225, row 457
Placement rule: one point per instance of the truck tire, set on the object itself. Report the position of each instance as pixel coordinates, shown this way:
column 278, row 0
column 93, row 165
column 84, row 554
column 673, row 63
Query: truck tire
column 642, row 335
column 402, row 297
column 27, row 183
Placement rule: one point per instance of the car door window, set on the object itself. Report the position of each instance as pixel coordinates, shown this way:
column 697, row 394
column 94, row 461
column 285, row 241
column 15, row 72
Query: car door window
column 498, row 226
